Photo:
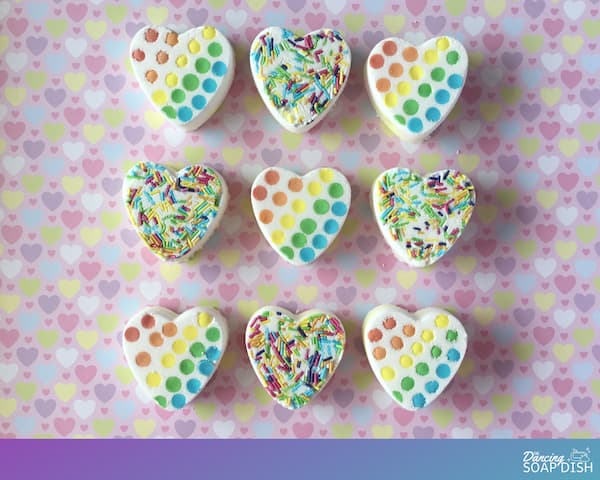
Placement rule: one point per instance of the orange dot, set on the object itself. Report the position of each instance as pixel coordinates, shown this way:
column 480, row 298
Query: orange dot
column 375, row 335
column 379, row 353
column 169, row 329
column 389, row 323
column 151, row 35
column 138, row 55
column 271, row 177
column 383, row 85
column 142, row 359
column 132, row 334
column 260, row 192
column 397, row 343
column 280, row 199
column 408, row 330
column 148, row 321
column 295, row 184
column 156, row 339
column 396, row 70
column 151, row 76
column 390, row 48
column 172, row 38
column 410, row 54
column 266, row 216
column 376, row 61
column 162, row 57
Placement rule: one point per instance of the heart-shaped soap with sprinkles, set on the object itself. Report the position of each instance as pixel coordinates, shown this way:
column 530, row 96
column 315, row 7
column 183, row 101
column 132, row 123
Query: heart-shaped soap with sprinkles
column 185, row 75
column 414, row 356
column 300, row 216
column 173, row 356
column 422, row 217
column 413, row 89
column 299, row 77
column 174, row 213
column 294, row 356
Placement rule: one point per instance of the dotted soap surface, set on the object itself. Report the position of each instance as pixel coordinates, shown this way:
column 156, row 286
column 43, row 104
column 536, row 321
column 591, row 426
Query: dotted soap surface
column 414, row 357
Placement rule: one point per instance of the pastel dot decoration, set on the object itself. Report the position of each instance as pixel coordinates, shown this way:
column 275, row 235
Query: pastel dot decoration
column 414, row 356
column 173, row 357
column 294, row 356
column 299, row 78
column 174, row 213
column 300, row 216
column 185, row 75
column 421, row 218
column 413, row 89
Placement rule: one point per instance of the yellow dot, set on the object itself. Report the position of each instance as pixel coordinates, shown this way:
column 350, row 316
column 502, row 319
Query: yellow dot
column 387, row 373
column 314, row 188
column 171, row 80
column 441, row 321
column 416, row 72
column 181, row 61
column 278, row 237
column 209, row 32
column 427, row 335
column 159, row 97
column 193, row 47
column 168, row 360
column 431, row 57
column 204, row 319
column 417, row 348
column 326, row 174
column 442, row 43
column 287, row 221
column 153, row 379
column 298, row 206
column 406, row 361
column 403, row 88
column 190, row 332
column 391, row 99
column 179, row 346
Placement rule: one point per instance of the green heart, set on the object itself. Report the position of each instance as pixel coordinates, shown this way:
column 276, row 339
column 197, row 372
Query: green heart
column 107, row 323
column 56, row 26
column 47, row 338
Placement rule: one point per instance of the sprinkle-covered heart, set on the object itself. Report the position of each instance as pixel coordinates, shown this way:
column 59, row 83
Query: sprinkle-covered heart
column 422, row 217
column 413, row 89
column 185, row 75
column 174, row 213
column 294, row 356
column 174, row 356
column 299, row 77
column 414, row 356
column 300, row 216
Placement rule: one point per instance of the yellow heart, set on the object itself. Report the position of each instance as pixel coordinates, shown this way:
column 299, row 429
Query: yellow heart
column 35, row 79
column 503, row 403
column 204, row 410
column 154, row 119
column 442, row 416
column 93, row 133
column 9, row 303
column 362, row 379
column 253, row 104
column 111, row 220
column 468, row 163
column 90, row 236
column 523, row 351
column 124, row 374
column 486, row 213
column 86, row 338
column 504, row 300
column 65, row 391
column 572, row 43
column 170, row 271
column 230, row 360
column 194, row 154
column 29, row 286
column 568, row 146
column 291, row 140
column 247, row 307
column 267, row 293
column 331, row 141
column 533, row 43
column 307, row 293
column 382, row 431
column 256, row 5
column 103, row 426
column 547, row 198
column 354, row 22
column 341, row 430
column 406, row 278
column 47, row 338
column 565, row 250
column 262, row 396
column 367, row 175
column 511, row 95
column 365, row 277
column 229, row 258
column 494, row 7
column 394, row 23
column 75, row 81
column 130, row 271
column 563, row 352
column 11, row 199
column 15, row 95
column 95, row 29
column 72, row 185
column 107, row 323
column 465, row 264
column 484, row 315
column 69, row 288
column 525, row 248
column 244, row 411
column 490, row 111
column 51, row 235
column 542, row 405
column 430, row 161
column 157, row 15
column 529, row 146
column 507, row 197
column 3, row 43
column 550, row 96
column 144, row 428
column 7, row 406
column 544, row 301
column 232, row 155
column 482, row 418
column 350, row 125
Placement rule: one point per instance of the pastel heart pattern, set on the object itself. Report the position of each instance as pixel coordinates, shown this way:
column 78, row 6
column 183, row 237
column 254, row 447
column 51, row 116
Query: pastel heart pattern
column 422, row 217
column 414, row 356
column 300, row 216
column 172, row 356
column 413, row 89
column 294, row 356
column 174, row 213
column 299, row 78
column 185, row 75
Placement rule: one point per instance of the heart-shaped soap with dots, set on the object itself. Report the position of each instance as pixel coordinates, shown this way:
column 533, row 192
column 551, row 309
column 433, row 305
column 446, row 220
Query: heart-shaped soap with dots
column 300, row 216
column 185, row 75
column 294, row 356
column 173, row 356
column 174, row 213
column 414, row 356
column 299, row 77
column 422, row 217
column 413, row 89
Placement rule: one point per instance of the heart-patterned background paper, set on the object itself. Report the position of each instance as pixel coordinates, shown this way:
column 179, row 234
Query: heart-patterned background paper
column 523, row 278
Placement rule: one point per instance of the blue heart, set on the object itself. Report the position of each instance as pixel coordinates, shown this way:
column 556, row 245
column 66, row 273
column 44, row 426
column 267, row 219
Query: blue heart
column 24, row 425
column 115, row 48
column 587, row 165
column 37, row 10
column 585, row 268
column 107, row 358
column 522, row 385
column 506, row 231
column 582, row 370
column 55, row 63
column 509, row 128
column 525, row 283
column 45, row 372
column 288, row 275
column 28, row 321
column 50, row 270
column 110, row 254
column 590, row 63
column 503, row 333
column 262, row 429
column 362, row 414
column 426, row 296
column 513, row 26
column 32, row 218
column 53, row 165
column 113, row 151
column 531, row 77
column 527, row 180
column 34, row 114
column 124, row 409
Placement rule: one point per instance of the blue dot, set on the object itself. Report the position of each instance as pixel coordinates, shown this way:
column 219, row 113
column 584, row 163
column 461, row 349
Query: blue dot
column 205, row 367
column 339, row 209
column 455, row 81
column 415, row 125
column 184, row 114
column 432, row 114
column 418, row 400
column 331, row 227
column 307, row 254
column 319, row 241
column 178, row 400
column 209, row 85
column 432, row 386
column 453, row 355
column 442, row 96
column 193, row 385
column 199, row 102
column 443, row 371
column 213, row 353
column 219, row 69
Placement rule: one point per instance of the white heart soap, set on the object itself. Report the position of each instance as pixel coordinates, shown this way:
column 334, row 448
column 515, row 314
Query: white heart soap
column 294, row 356
column 422, row 217
column 414, row 356
column 173, row 356
column 299, row 77
column 413, row 89
column 185, row 75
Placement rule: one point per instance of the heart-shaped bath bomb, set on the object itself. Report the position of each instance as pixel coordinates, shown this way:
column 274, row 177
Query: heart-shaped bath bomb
column 414, row 356
column 173, row 356
column 300, row 216
column 413, row 89
column 185, row 75
column 174, row 213
column 294, row 356
column 422, row 217
column 299, row 77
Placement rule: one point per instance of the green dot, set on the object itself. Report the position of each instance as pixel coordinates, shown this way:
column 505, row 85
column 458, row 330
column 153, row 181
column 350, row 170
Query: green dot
column 425, row 90
column 213, row 334
column 298, row 240
column 422, row 368
column 169, row 111
column 451, row 335
column 288, row 252
column 308, row 225
column 410, row 107
column 452, row 57
column 186, row 366
column 336, row 190
column 436, row 351
column 400, row 119
column 407, row 383
column 215, row 49
column 197, row 349
column 321, row 206
column 173, row 384
column 397, row 395
column 162, row 401
column 178, row 95
column 438, row 74
column 202, row 65
column 190, row 82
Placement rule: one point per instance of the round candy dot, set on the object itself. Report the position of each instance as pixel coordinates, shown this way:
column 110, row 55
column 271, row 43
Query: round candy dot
column 184, row 114
column 431, row 57
column 374, row 335
column 295, row 184
column 178, row 400
column 307, row 254
column 442, row 96
column 132, row 334
column 169, row 111
column 389, row 47
column 265, row 216
column 432, row 386
column 407, row 383
column 331, row 227
column 339, row 209
column 400, row 119
column 418, row 400
column 178, row 95
column 193, row 385
column 209, row 85
column 181, row 61
column 443, row 371
column 416, row 72
column 168, row 360
column 403, row 88
column 438, row 74
column 151, row 76
column 389, row 323
column 153, row 379
column 335, row 190
column 408, row 330
column 376, row 61
column 441, row 321
column 314, row 188
column 427, row 335
column 442, row 44
column 219, row 69
column 159, row 97
column 279, row 198
column 194, row 47
column 190, row 332
column 272, row 177
column 287, row 221
column 213, row 334
column 452, row 57
column 383, row 85
column 190, row 82
column 298, row 206
column 204, row 319
column 451, row 335
column 422, row 368
column 202, row 65
column 388, row 373
column 288, row 252
column 156, row 339
column 424, row 90
column 259, row 193
column 172, row 38
column 397, row 343
column 138, row 55
column 410, row 107
column 197, row 349
column 143, row 359
column 417, row 348
column 326, row 175
column 171, row 80
column 436, row 351
column 455, row 81
column 379, row 353
column 321, row 206
column 453, row 355
column 319, row 241
column 198, row 102
column 391, row 99
column 308, row 225
column 278, row 237
column 186, row 366
column 150, row 35
column 162, row 401
column 432, row 114
column 406, row 361
column 415, row 125
column 213, row 353
column 298, row 240
column 209, row 32
column 179, row 346
column 396, row 70
column 162, row 57
column 410, row 54
column 215, row 49
column 169, row 329
column 205, row 367
column 397, row 395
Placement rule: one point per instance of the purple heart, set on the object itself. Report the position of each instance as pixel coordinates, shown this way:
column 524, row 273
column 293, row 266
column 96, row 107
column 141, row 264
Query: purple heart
column 581, row 404
column 114, row 82
column 132, row 28
column 366, row 244
column 587, row 199
column 197, row 16
column 36, row 45
column 52, row 200
column 346, row 294
column 55, row 96
column 526, row 214
column 295, row 5
column 282, row 414
column 185, row 428
column 584, row 302
column 590, row 96
column 33, row 149
column 267, row 258
column 27, row 355
column 445, row 279
column 343, row 396
column 503, row 367
column 31, row 252
column 45, row 407
column 512, row 60
column 423, row 432
column 109, row 288
column 271, row 156
column 210, row 273
column 505, row 265
column 522, row 419
column 369, row 142
column 133, row 134
column 129, row 237
column 435, row 24
column 530, row 111
column 596, row 352
column 524, row 316
column 48, row 304
column 372, row 38
column 112, row 186
column 597, row 248
column 508, row 162
column 534, row 7
column 289, row 305
column 104, row 392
